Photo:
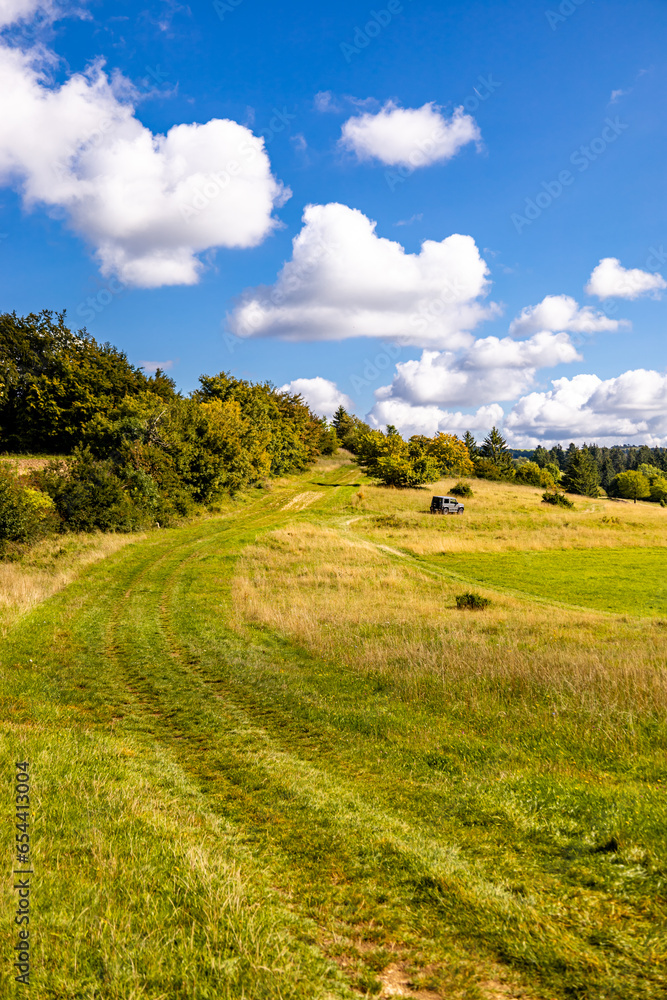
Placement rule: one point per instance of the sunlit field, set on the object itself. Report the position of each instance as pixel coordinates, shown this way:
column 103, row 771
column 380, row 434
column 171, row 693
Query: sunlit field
column 275, row 760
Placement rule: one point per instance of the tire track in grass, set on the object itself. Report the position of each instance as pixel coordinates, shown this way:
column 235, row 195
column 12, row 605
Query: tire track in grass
column 176, row 893
column 321, row 836
column 169, row 719
column 155, row 696
column 251, row 786
column 258, row 776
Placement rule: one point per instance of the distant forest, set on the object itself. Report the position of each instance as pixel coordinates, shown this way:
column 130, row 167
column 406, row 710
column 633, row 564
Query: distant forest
column 610, row 461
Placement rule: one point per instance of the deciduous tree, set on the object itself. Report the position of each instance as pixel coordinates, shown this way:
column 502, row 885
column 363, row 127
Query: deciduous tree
column 632, row 485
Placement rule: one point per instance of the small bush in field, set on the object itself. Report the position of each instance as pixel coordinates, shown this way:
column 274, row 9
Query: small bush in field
column 473, row 601
column 461, row 489
column 556, row 498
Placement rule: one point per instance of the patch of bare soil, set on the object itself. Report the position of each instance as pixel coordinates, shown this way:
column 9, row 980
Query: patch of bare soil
column 302, row 500
column 396, row 983
column 25, row 465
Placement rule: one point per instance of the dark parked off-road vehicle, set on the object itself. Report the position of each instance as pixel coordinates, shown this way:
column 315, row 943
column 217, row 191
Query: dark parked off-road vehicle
column 446, row 505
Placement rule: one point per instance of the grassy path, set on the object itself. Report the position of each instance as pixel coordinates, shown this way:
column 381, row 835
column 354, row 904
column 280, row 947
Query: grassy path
column 221, row 814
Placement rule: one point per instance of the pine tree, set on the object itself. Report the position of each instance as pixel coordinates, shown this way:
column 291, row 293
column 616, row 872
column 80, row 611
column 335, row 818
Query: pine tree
column 607, row 472
column 470, row 443
column 659, row 458
column 341, row 419
column 571, row 451
column 643, row 456
column 619, row 458
column 557, row 456
column 495, row 449
column 582, row 475
column 541, row 456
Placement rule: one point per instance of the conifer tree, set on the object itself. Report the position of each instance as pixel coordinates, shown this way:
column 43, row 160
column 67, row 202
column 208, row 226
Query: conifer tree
column 541, row 456
column 470, row 443
column 495, row 449
column 607, row 472
column 582, row 475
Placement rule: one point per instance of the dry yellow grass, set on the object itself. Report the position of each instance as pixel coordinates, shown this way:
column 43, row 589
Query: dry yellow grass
column 48, row 567
column 24, row 464
column 503, row 517
column 351, row 602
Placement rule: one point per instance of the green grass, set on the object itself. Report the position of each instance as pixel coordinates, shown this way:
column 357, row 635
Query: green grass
column 625, row 581
column 223, row 811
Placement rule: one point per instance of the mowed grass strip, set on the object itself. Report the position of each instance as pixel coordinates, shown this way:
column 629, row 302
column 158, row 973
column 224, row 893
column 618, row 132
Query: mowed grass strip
column 141, row 889
column 629, row 581
column 386, row 784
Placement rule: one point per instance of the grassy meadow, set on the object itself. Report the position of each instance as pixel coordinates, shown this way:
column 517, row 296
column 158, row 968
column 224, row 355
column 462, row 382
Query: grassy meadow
column 273, row 761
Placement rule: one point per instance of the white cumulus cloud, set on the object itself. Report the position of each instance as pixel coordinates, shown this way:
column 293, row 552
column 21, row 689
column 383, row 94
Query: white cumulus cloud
column 345, row 281
column 13, row 11
column 148, row 204
column 429, row 420
column 321, row 395
column 611, row 280
column 413, row 137
column 632, row 407
column 491, row 369
column 561, row 312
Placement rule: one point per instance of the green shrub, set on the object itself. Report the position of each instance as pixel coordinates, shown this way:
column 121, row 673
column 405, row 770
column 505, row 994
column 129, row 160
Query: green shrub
column 485, row 468
column 12, row 511
column 472, row 601
column 532, row 475
column 329, row 443
column 556, row 498
column 461, row 489
column 394, row 466
column 88, row 493
column 25, row 513
column 387, row 521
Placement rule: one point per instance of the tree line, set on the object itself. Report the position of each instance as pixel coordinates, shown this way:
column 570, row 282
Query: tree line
column 632, row 472
column 130, row 451
column 137, row 451
column 625, row 471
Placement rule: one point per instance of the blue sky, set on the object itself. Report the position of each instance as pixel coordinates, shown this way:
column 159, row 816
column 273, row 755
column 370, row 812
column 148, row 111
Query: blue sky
column 575, row 90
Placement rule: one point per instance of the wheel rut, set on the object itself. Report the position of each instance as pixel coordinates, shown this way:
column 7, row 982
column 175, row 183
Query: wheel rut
column 293, row 811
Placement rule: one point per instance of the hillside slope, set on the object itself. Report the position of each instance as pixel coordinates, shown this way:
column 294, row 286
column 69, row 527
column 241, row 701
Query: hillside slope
column 271, row 759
